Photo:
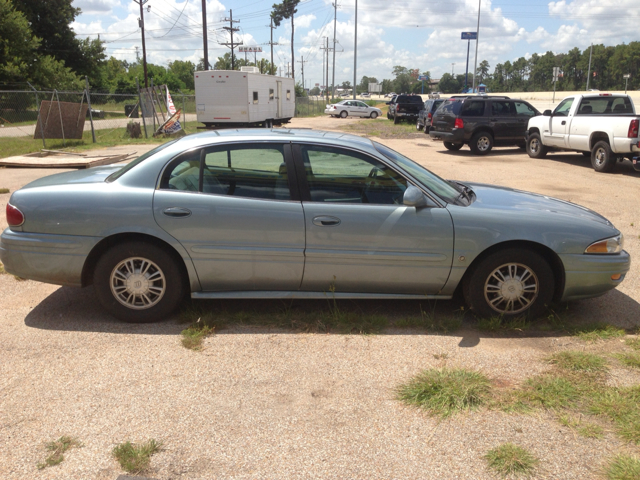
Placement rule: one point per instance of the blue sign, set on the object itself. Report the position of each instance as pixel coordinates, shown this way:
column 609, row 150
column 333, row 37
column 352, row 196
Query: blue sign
column 423, row 78
column 469, row 35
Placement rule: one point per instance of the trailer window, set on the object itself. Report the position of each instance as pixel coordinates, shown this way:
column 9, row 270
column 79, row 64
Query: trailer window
column 255, row 97
column 288, row 94
column 270, row 94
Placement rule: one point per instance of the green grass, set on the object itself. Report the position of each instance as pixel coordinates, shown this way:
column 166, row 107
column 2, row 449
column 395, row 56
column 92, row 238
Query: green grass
column 431, row 322
column 633, row 343
column 622, row 407
column 509, row 459
column 578, row 361
column 446, row 391
column 193, row 336
column 500, row 323
column 622, row 467
column 135, row 458
column 550, row 391
column 630, row 359
column 382, row 128
column 57, row 449
column 4, row 190
column 597, row 331
column 591, row 430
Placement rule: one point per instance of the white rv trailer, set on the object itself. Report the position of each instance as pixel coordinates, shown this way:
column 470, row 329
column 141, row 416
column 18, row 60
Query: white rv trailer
column 244, row 98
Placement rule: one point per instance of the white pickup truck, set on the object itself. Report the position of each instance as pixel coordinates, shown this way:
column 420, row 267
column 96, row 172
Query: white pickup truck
column 602, row 126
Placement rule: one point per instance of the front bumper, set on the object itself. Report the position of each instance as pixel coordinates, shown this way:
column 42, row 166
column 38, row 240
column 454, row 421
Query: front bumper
column 455, row 136
column 57, row 259
column 590, row 275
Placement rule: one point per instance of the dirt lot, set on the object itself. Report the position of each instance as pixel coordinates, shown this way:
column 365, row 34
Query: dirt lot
column 261, row 402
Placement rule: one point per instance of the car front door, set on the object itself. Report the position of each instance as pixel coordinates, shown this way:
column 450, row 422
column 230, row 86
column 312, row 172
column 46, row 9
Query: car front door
column 233, row 210
column 360, row 236
column 558, row 124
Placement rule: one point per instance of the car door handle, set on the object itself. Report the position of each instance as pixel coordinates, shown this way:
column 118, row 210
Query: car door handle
column 564, row 122
column 326, row 221
column 177, row 212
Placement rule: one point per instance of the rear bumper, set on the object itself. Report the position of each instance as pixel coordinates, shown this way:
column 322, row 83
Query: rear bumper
column 455, row 136
column 590, row 275
column 413, row 115
column 56, row 259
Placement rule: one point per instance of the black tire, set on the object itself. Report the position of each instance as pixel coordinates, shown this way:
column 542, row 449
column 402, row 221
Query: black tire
column 602, row 158
column 374, row 115
column 343, row 114
column 396, row 120
column 535, row 148
column 418, row 126
column 426, row 129
column 481, row 277
column 481, row 143
column 388, row 116
column 173, row 283
column 453, row 146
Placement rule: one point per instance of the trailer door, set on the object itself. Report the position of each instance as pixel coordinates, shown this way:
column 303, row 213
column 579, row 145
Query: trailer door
column 279, row 99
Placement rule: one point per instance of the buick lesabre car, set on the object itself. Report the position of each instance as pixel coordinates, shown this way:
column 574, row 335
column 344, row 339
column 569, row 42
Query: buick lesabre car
column 352, row 108
column 299, row 214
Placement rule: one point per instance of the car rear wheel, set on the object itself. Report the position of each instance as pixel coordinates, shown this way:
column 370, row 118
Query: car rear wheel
column 535, row 148
column 452, row 146
column 427, row 127
column 481, row 143
column 138, row 282
column 510, row 283
column 374, row 115
column 343, row 114
column 396, row 120
column 602, row 158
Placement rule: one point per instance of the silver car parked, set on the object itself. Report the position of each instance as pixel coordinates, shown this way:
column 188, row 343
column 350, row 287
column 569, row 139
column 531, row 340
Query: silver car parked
column 352, row 108
column 296, row 214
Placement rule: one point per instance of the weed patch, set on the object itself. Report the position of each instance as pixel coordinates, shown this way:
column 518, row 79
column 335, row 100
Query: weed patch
column 578, row 361
column 622, row 406
column 550, row 391
column 597, row 331
column 193, row 336
column 633, row 343
column 622, row 467
column 57, row 449
column 444, row 392
column 499, row 323
column 135, row 458
column 630, row 359
column 4, row 190
column 510, row 459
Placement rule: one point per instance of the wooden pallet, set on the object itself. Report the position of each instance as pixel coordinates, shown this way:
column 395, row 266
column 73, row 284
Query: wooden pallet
column 53, row 159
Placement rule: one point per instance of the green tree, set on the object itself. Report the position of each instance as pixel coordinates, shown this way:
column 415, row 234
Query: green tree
column 183, row 70
column 281, row 11
column 17, row 44
column 482, row 72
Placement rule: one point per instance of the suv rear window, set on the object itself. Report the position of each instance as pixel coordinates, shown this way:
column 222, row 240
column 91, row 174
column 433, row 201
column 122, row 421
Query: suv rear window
column 451, row 107
column 474, row 108
column 409, row 99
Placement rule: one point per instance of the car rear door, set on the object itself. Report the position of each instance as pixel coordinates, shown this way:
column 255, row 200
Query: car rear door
column 503, row 120
column 360, row 236
column 233, row 209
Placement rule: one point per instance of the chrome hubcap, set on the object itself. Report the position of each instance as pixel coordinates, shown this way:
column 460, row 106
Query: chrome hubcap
column 137, row 283
column 534, row 145
column 511, row 288
column 600, row 156
column 483, row 143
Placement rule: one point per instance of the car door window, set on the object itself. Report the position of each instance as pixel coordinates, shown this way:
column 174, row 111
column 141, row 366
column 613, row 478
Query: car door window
column 501, row 109
column 562, row 110
column 473, row 109
column 252, row 171
column 337, row 175
column 524, row 110
column 360, row 104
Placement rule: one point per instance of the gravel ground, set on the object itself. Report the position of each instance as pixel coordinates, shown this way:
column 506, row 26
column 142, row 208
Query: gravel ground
column 263, row 403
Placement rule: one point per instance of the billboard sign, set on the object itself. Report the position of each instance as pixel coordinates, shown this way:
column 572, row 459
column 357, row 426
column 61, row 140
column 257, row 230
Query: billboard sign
column 249, row 49
column 422, row 78
column 469, row 36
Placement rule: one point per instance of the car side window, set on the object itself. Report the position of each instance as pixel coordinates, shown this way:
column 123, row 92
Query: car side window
column 501, row 109
column 524, row 110
column 473, row 109
column 183, row 173
column 338, row 175
column 562, row 110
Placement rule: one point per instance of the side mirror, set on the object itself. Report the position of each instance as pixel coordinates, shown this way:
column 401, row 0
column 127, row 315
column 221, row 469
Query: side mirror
column 547, row 113
column 413, row 197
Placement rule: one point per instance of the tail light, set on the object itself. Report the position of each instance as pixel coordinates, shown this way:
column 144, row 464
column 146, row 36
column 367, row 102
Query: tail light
column 429, row 115
column 459, row 123
column 15, row 218
column 634, row 126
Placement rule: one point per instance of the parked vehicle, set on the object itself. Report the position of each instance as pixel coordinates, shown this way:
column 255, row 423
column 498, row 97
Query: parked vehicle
column 365, row 95
column 243, row 98
column 434, row 95
column 390, row 95
column 352, row 108
column 404, row 107
column 603, row 126
column 296, row 214
column 481, row 122
column 425, row 115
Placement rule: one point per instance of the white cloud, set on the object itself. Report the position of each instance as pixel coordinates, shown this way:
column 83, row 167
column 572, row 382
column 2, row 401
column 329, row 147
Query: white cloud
column 94, row 6
column 304, row 21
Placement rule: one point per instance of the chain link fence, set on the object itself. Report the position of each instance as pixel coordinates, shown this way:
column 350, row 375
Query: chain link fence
column 110, row 112
column 313, row 106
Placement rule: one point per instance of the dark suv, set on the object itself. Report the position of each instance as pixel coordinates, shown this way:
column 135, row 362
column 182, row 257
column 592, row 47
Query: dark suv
column 424, row 117
column 482, row 122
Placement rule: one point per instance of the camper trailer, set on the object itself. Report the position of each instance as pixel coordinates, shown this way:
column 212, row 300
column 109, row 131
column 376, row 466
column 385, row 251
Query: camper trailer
column 244, row 98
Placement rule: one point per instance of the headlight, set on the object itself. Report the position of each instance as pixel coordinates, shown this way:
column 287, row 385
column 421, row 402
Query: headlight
column 608, row 245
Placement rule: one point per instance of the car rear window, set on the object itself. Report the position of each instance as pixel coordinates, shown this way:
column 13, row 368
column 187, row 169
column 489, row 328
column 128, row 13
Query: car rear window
column 605, row 106
column 474, row 108
column 409, row 99
column 452, row 107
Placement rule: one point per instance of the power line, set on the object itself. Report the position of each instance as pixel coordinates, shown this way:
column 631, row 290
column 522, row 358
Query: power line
column 231, row 29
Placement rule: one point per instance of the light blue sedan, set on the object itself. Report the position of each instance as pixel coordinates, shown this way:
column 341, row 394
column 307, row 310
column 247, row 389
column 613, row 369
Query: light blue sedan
column 302, row 214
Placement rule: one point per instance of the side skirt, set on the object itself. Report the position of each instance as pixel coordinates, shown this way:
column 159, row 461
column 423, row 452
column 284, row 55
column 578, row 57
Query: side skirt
column 315, row 295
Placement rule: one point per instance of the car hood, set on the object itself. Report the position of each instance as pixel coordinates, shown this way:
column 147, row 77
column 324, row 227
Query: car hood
column 508, row 199
column 89, row 175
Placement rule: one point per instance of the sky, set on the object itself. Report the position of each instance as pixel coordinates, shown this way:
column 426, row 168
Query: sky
column 414, row 34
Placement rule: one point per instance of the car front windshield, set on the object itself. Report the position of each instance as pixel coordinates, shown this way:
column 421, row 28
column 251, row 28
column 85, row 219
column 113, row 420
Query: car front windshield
column 431, row 181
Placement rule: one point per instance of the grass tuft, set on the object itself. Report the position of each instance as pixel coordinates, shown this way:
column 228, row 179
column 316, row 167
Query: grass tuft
column 500, row 323
column 633, row 343
column 135, row 458
column 4, row 190
column 551, row 391
column 443, row 392
column 193, row 336
column 631, row 359
column 622, row 467
column 57, row 449
column 597, row 331
column 578, row 361
column 591, row 430
column 510, row 459
column 622, row 406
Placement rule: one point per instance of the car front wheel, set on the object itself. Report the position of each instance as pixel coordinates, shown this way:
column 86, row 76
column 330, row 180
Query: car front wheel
column 510, row 283
column 138, row 282
column 481, row 143
column 374, row 115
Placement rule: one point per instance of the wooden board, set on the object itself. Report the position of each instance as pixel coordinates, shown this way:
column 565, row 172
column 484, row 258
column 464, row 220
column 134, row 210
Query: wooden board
column 61, row 120
column 62, row 160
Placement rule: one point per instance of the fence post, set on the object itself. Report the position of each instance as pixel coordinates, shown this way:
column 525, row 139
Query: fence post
column 153, row 105
column 86, row 86
column 144, row 124
column 184, row 115
column 38, row 118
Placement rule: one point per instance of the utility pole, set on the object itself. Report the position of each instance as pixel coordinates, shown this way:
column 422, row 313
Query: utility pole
column 144, row 49
column 204, row 34
column 137, row 53
column 327, row 69
column 475, row 61
column 589, row 73
column 323, row 57
column 231, row 29
column 452, row 65
column 355, row 51
column 272, row 43
column 302, row 62
column 333, row 74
